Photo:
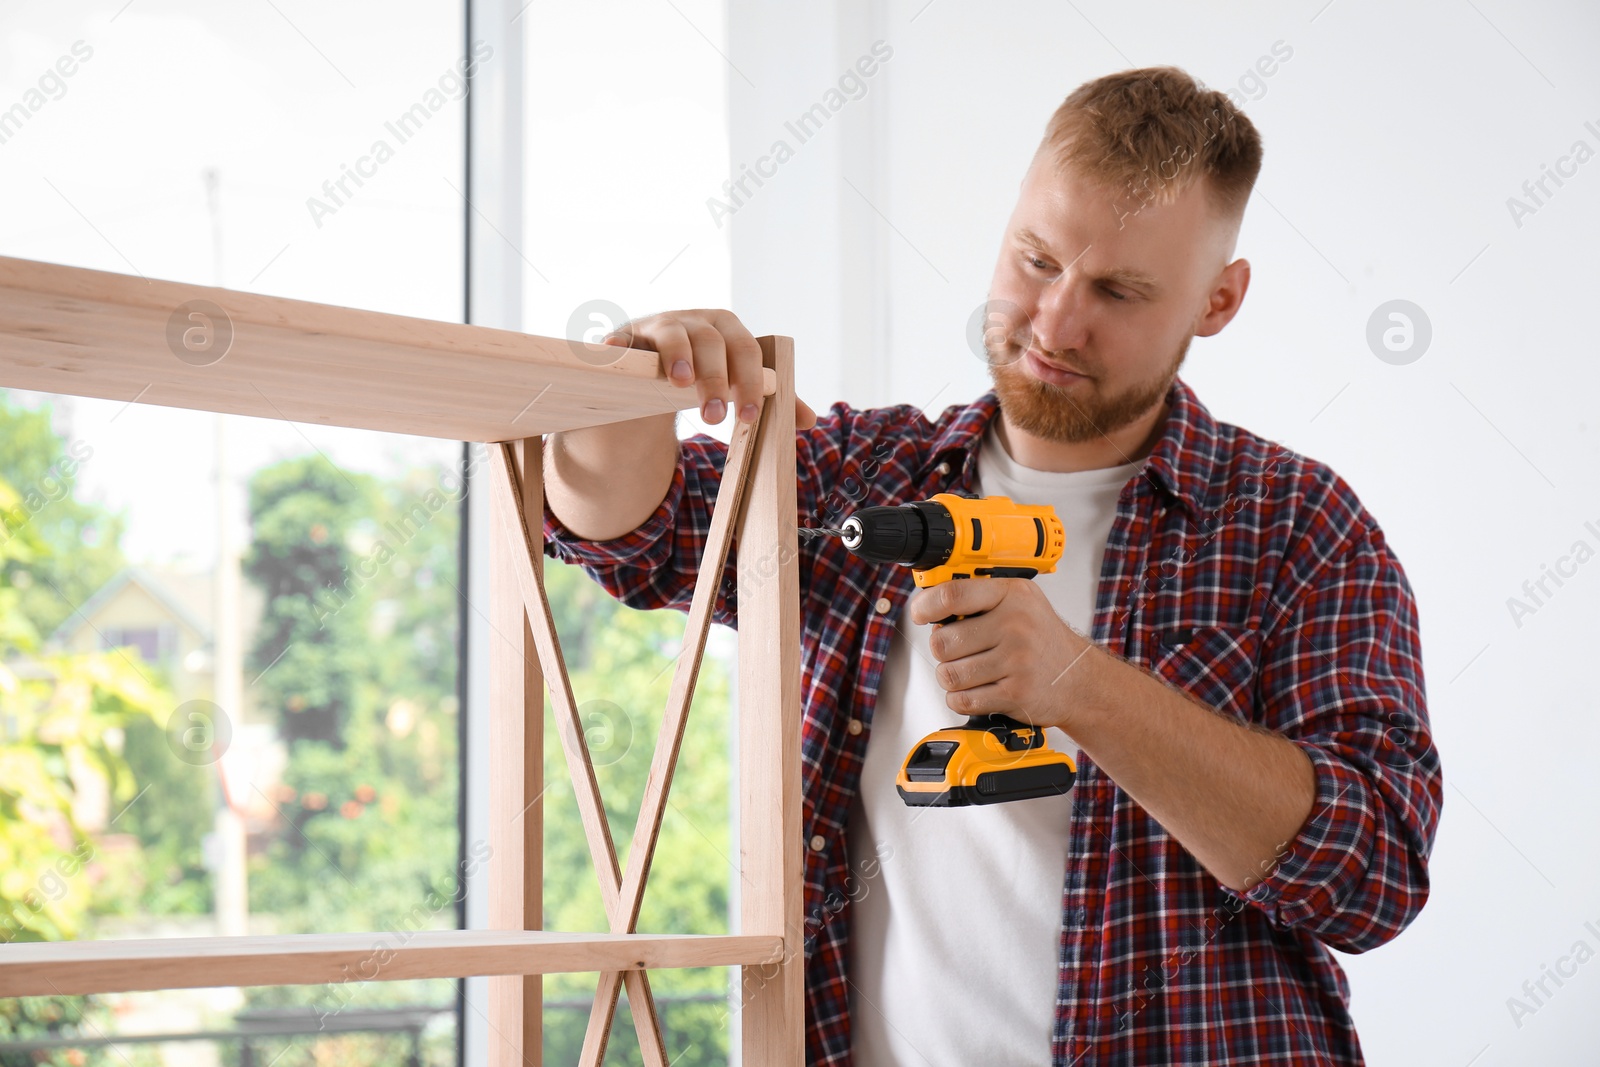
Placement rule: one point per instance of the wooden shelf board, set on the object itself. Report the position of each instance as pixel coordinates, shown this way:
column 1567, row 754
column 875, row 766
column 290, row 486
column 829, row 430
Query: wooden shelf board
column 100, row 334
column 70, row 967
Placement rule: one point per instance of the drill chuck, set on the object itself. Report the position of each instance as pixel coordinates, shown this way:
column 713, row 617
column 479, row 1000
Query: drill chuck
column 922, row 534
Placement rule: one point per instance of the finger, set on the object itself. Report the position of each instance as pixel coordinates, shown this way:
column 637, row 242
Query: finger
column 804, row 417
column 632, row 334
column 956, row 598
column 970, row 672
column 744, row 365
column 661, row 334
column 920, row 609
column 964, row 637
column 678, row 362
column 979, row 700
column 710, row 368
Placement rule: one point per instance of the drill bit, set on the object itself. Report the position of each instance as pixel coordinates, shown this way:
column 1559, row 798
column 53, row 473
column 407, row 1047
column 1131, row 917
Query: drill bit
column 808, row 533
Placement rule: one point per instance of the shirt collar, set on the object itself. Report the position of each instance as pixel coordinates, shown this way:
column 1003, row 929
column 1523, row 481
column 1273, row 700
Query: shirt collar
column 1180, row 465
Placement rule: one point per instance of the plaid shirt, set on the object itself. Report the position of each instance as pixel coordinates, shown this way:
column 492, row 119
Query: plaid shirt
column 1237, row 570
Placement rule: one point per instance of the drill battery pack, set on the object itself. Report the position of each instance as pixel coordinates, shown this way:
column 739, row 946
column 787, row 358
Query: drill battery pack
column 989, row 760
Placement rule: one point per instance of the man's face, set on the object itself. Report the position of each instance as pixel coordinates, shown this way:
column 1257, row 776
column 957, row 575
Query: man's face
column 1094, row 281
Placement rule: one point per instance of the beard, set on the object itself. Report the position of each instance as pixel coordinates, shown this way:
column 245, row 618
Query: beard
column 1077, row 412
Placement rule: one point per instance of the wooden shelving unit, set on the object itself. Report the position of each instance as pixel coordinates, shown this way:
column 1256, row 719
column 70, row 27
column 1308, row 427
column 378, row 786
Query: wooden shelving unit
column 97, row 334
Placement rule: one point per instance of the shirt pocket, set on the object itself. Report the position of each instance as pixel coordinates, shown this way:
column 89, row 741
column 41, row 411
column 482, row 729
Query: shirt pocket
column 1215, row 664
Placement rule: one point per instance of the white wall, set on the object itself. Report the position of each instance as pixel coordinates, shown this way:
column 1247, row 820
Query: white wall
column 1394, row 135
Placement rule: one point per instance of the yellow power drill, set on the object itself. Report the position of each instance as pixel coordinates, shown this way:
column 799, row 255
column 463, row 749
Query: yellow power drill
column 992, row 758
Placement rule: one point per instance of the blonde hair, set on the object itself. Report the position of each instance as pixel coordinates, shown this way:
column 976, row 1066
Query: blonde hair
column 1152, row 133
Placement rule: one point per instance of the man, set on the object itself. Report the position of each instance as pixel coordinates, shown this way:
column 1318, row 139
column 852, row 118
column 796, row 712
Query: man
column 1229, row 646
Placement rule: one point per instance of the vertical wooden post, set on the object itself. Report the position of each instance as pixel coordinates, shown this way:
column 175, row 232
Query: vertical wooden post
column 772, row 996
column 516, row 776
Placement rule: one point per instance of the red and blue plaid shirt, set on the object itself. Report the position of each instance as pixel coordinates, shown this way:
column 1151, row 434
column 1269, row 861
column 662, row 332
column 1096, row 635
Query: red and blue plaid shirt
column 1237, row 570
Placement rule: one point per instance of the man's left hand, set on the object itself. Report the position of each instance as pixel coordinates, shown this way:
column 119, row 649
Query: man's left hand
column 1013, row 654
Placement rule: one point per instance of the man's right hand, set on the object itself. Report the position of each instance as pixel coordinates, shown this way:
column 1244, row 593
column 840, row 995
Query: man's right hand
column 604, row 481
column 711, row 350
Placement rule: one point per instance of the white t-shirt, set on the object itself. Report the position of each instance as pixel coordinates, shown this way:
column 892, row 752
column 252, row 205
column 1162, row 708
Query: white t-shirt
column 954, row 939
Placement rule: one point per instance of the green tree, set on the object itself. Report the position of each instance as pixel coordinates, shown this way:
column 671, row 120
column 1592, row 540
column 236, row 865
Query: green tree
column 62, row 713
column 79, row 543
column 63, row 718
column 301, row 511
column 370, row 811
column 78, row 552
column 359, row 574
column 175, row 811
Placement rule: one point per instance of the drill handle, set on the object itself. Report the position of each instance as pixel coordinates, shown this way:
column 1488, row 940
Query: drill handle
column 1007, row 728
column 993, row 572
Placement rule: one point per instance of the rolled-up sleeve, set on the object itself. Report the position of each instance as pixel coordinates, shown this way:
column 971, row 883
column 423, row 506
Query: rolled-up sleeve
column 656, row 564
column 1341, row 677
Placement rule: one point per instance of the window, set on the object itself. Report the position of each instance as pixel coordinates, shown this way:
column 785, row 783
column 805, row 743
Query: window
column 282, row 708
